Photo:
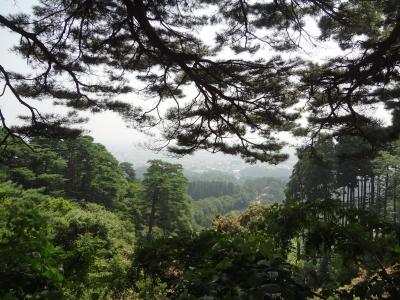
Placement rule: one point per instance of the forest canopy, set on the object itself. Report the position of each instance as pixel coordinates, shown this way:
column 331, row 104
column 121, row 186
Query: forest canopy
column 85, row 54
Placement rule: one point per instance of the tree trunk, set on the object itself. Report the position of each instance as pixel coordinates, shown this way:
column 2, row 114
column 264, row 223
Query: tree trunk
column 386, row 196
column 152, row 216
column 343, row 198
column 372, row 190
column 365, row 193
column 298, row 248
column 378, row 199
column 395, row 197
column 358, row 193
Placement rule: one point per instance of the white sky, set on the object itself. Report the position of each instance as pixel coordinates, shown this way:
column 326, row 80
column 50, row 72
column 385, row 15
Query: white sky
column 107, row 128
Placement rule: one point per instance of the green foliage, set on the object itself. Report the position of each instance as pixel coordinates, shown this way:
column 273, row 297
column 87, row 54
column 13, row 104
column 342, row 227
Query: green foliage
column 336, row 248
column 167, row 205
column 53, row 245
column 77, row 249
column 40, row 166
column 96, row 247
column 260, row 190
column 313, row 174
column 92, row 173
column 128, row 170
column 76, row 168
column 268, row 189
column 203, row 189
column 325, row 252
column 30, row 264
column 210, row 175
column 205, row 210
column 343, row 210
column 217, row 265
column 382, row 285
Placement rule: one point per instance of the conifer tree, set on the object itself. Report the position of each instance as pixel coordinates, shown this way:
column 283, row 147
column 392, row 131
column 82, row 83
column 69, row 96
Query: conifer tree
column 167, row 204
column 85, row 52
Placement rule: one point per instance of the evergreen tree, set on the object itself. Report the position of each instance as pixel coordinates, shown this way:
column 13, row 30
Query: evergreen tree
column 92, row 173
column 76, row 168
column 313, row 176
column 219, row 102
column 167, row 204
column 128, row 170
column 386, row 169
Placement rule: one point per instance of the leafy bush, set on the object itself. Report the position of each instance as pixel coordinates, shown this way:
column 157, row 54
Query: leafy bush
column 215, row 265
column 53, row 245
column 30, row 264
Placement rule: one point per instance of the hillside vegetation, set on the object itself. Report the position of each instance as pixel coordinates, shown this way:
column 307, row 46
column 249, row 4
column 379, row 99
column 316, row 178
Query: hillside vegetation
column 77, row 227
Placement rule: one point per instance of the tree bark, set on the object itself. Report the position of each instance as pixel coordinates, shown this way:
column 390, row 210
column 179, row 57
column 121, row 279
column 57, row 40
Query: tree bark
column 152, row 216
column 386, row 196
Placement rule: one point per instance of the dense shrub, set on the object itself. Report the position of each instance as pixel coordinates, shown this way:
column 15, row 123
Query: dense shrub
column 51, row 244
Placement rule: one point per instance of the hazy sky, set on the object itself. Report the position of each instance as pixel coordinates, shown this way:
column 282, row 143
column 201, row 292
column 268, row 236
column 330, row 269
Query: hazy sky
column 107, row 128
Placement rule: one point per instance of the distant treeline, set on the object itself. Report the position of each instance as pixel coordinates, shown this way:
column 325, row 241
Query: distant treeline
column 205, row 210
column 203, row 189
column 214, row 198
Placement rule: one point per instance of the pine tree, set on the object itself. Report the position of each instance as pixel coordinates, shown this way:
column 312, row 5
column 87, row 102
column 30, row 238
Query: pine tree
column 218, row 102
column 167, row 204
